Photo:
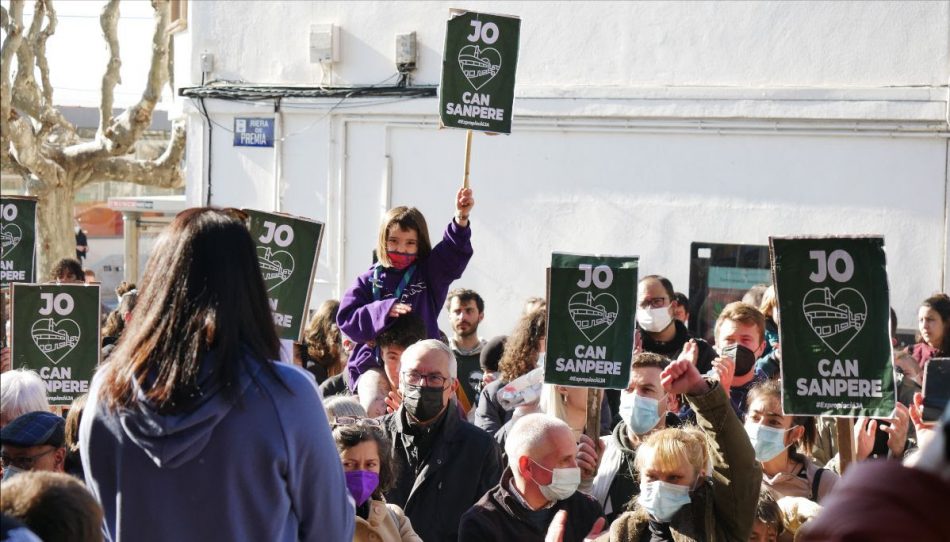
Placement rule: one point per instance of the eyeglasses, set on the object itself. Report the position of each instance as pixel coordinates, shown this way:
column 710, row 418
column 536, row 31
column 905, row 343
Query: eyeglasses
column 25, row 462
column 656, row 303
column 356, row 420
column 433, row 380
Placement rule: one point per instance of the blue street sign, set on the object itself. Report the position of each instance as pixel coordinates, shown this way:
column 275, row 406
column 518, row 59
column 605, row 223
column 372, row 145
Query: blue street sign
column 253, row 132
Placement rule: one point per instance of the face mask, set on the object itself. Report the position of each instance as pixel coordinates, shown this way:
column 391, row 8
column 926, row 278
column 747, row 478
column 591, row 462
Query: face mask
column 564, row 482
column 362, row 484
column 654, row 320
column 662, row 500
column 744, row 358
column 401, row 260
column 423, row 403
column 640, row 413
column 10, row 472
column 768, row 442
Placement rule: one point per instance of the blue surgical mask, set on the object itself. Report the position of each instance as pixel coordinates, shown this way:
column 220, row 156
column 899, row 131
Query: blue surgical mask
column 662, row 500
column 10, row 472
column 768, row 442
column 641, row 414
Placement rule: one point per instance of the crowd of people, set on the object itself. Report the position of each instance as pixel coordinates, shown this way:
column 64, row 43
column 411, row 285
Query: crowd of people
column 384, row 428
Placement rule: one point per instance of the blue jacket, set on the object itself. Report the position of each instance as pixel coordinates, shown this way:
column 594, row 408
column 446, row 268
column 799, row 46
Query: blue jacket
column 262, row 468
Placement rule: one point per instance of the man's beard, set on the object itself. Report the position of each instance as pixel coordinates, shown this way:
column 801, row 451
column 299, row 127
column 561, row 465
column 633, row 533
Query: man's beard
column 467, row 332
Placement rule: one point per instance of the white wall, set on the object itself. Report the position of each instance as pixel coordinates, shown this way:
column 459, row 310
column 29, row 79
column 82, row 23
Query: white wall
column 639, row 128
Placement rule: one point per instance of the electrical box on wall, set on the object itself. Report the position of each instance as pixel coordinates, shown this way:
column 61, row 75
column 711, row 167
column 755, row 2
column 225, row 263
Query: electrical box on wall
column 324, row 43
column 406, row 51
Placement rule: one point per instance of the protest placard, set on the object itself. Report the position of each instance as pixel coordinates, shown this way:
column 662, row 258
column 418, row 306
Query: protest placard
column 56, row 333
column 479, row 62
column 18, row 236
column 287, row 251
column 834, row 330
column 591, row 307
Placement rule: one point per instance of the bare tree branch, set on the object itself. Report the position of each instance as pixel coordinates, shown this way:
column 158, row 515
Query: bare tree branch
column 41, row 62
column 27, row 96
column 26, row 147
column 122, row 134
column 164, row 171
column 108, row 20
column 11, row 44
column 4, row 18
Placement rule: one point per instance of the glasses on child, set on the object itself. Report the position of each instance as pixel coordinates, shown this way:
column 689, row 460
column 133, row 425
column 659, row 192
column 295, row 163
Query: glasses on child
column 356, row 420
column 433, row 380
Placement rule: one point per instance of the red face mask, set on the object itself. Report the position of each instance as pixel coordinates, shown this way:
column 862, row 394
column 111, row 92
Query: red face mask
column 401, row 260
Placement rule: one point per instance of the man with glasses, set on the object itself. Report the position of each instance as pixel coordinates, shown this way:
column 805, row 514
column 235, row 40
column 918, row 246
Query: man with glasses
column 35, row 441
column 660, row 332
column 445, row 464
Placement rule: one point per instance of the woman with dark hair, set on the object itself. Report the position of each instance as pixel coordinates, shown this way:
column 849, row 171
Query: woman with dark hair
column 933, row 321
column 322, row 351
column 192, row 432
column 370, row 471
column 520, row 356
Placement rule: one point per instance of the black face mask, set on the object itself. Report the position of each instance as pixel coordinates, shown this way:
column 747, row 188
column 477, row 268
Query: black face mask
column 744, row 358
column 423, row 403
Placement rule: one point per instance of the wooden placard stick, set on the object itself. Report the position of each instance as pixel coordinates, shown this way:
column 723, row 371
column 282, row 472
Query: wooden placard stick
column 844, row 428
column 592, row 427
column 468, row 157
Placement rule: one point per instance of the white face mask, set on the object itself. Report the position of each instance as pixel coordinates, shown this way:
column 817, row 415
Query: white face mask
column 564, row 482
column 654, row 320
column 663, row 500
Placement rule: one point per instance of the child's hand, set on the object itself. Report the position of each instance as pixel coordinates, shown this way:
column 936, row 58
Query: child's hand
column 464, row 201
column 399, row 309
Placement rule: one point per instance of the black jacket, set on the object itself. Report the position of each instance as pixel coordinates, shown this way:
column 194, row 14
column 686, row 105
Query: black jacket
column 500, row 516
column 461, row 465
column 673, row 348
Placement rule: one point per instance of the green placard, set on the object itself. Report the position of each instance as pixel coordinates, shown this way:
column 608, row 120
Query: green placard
column 834, row 326
column 591, row 308
column 18, row 236
column 56, row 333
column 287, row 251
column 478, row 71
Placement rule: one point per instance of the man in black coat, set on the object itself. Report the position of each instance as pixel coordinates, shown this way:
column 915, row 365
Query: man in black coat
column 538, row 491
column 444, row 463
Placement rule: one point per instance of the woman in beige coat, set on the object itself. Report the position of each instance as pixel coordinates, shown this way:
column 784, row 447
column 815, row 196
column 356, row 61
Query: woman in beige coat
column 369, row 469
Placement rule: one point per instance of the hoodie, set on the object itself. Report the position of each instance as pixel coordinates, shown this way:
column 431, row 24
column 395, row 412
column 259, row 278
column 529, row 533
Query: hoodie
column 263, row 467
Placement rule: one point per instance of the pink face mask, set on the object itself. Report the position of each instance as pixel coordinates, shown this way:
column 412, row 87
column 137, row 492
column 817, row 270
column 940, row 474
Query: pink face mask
column 401, row 260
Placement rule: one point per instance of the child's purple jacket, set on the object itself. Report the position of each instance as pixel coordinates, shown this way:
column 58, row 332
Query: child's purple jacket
column 361, row 318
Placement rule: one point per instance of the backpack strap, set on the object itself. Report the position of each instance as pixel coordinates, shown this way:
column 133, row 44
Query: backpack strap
column 815, row 482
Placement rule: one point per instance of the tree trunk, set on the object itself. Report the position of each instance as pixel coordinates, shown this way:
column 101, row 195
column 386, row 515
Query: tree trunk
column 56, row 236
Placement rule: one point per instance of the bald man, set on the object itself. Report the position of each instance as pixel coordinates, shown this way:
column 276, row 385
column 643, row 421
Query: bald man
column 540, row 483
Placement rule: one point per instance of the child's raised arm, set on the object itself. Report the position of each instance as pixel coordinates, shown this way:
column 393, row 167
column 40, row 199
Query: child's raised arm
column 464, row 201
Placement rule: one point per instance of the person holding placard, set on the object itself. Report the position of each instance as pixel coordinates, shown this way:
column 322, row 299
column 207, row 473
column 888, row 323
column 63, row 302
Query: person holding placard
column 411, row 277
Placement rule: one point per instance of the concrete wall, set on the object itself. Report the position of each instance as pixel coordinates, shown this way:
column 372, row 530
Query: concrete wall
column 639, row 128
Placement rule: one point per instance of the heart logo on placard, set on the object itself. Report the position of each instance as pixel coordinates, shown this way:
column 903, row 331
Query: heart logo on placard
column 835, row 318
column 479, row 65
column 276, row 266
column 55, row 338
column 593, row 315
column 10, row 235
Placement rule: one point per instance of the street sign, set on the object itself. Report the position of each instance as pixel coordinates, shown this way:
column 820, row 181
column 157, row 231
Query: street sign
column 591, row 308
column 287, row 251
column 479, row 62
column 18, row 237
column 253, row 132
column 834, row 326
column 56, row 333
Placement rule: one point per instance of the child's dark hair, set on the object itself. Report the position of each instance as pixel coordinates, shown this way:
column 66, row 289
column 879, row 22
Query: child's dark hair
column 348, row 436
column 768, row 512
column 773, row 388
column 406, row 331
column 406, row 218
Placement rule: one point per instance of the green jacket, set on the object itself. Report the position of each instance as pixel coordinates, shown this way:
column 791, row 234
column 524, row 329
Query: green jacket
column 723, row 508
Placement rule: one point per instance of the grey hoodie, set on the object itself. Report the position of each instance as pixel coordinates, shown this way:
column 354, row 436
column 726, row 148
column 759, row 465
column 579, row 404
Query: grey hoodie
column 264, row 468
